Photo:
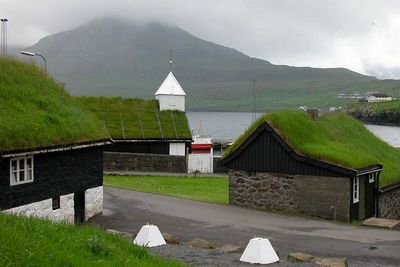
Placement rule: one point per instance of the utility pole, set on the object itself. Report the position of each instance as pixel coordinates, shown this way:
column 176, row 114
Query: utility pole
column 3, row 36
column 254, row 111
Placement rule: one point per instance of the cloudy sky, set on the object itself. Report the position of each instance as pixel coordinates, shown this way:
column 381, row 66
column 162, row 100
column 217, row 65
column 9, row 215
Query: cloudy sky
column 362, row 35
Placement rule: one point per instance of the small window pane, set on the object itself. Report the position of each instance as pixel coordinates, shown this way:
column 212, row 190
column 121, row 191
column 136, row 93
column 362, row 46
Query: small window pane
column 14, row 177
column 21, row 175
column 21, row 164
column 28, row 163
column 14, row 165
column 28, row 175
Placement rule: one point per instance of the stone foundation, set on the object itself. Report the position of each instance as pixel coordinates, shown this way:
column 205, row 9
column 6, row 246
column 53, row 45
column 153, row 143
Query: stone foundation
column 389, row 203
column 93, row 201
column 326, row 197
column 44, row 209
column 120, row 161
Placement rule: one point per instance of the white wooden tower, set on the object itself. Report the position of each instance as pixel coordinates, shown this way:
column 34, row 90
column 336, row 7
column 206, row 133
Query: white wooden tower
column 170, row 94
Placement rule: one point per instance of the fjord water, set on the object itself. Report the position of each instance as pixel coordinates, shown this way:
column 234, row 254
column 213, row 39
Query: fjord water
column 227, row 126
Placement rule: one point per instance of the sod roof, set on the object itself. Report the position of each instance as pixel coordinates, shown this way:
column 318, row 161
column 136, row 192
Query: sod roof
column 137, row 119
column 36, row 112
column 336, row 138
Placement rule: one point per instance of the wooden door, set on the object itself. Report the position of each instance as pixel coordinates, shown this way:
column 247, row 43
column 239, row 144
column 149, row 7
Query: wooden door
column 79, row 207
column 361, row 207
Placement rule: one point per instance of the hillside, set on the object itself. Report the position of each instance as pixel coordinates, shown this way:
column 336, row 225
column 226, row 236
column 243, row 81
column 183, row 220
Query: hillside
column 36, row 242
column 376, row 113
column 109, row 57
column 37, row 112
column 335, row 138
column 133, row 118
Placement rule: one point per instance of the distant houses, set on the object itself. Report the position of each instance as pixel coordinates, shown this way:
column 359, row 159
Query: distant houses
column 289, row 162
column 51, row 150
column 378, row 97
column 367, row 97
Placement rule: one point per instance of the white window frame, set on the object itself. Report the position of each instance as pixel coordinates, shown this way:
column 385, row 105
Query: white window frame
column 371, row 177
column 17, row 171
column 356, row 189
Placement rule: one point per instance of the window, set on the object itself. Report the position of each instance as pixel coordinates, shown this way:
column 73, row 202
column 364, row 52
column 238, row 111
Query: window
column 356, row 189
column 21, row 170
column 371, row 177
column 56, row 203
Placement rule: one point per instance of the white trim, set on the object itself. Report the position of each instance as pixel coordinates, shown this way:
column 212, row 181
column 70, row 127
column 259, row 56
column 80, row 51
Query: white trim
column 18, row 169
column 356, row 189
column 371, row 177
column 23, row 154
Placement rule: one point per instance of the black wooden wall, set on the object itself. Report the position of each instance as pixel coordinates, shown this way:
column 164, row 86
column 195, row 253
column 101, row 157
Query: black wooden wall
column 264, row 153
column 140, row 147
column 55, row 174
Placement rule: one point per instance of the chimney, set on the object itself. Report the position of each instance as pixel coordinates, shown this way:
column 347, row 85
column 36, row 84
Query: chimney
column 313, row 113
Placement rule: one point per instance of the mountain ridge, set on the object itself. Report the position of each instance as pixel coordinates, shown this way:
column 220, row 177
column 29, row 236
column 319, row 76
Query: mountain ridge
column 111, row 57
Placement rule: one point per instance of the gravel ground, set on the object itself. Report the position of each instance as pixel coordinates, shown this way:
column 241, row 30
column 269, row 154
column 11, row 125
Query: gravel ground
column 211, row 257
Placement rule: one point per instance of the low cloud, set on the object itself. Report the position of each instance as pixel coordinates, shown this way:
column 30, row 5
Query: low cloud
column 362, row 35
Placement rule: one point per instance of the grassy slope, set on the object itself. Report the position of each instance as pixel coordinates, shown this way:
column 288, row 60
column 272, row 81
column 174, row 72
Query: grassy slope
column 34, row 242
column 132, row 111
column 383, row 106
column 335, row 138
column 36, row 111
column 211, row 189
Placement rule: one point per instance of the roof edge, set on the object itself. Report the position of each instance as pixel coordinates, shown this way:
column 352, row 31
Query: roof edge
column 265, row 126
column 57, row 148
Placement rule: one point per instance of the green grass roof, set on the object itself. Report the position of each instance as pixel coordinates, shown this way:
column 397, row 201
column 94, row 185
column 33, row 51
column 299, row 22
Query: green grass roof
column 36, row 112
column 133, row 118
column 335, row 138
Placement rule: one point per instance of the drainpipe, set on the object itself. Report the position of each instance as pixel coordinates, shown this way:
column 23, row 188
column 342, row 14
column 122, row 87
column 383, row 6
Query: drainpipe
column 377, row 195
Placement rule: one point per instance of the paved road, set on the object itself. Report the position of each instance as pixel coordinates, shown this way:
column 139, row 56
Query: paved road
column 128, row 210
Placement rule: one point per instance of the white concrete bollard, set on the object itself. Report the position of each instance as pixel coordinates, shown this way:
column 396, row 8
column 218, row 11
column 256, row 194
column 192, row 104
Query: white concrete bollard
column 259, row 250
column 149, row 236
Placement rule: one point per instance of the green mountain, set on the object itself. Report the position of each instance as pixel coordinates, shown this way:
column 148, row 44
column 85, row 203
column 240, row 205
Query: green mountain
column 110, row 57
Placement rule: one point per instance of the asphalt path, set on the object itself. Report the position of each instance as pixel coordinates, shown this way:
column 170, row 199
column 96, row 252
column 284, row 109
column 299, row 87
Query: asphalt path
column 127, row 210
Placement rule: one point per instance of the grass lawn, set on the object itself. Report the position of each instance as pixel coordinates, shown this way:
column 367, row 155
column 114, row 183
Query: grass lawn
column 376, row 106
column 36, row 242
column 210, row 189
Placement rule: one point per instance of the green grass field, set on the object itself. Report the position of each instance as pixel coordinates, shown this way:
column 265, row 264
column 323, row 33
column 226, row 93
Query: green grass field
column 35, row 242
column 37, row 112
column 336, row 138
column 134, row 118
column 210, row 189
column 383, row 106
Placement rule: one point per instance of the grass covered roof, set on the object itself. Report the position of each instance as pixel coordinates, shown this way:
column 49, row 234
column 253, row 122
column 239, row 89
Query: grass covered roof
column 36, row 112
column 133, row 118
column 334, row 137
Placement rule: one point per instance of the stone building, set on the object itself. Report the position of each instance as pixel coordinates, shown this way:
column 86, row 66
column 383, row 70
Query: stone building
column 267, row 172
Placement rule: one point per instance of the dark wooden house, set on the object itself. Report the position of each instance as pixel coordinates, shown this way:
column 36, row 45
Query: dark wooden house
column 266, row 172
column 51, row 149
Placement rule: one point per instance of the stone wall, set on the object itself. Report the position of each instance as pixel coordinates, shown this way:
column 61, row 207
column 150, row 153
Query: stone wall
column 326, row 197
column 93, row 201
column 118, row 161
column 44, row 209
column 389, row 203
